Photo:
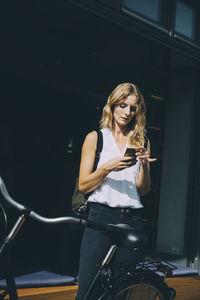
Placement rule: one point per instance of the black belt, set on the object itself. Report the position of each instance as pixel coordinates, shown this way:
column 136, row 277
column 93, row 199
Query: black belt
column 125, row 210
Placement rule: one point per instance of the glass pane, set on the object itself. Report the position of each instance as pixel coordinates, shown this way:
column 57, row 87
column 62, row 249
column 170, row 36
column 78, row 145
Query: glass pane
column 148, row 8
column 185, row 19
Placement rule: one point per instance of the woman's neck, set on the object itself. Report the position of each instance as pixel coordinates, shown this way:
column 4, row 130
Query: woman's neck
column 119, row 130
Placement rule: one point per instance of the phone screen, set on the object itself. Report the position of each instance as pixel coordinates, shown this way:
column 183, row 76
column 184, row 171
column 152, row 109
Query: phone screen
column 130, row 152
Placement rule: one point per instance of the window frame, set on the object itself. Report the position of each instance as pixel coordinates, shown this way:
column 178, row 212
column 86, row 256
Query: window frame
column 144, row 18
column 180, row 36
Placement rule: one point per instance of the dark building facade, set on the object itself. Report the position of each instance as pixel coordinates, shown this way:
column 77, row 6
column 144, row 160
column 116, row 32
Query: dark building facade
column 61, row 59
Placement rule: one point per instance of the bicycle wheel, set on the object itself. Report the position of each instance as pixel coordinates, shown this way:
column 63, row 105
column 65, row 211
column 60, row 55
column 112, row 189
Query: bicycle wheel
column 145, row 286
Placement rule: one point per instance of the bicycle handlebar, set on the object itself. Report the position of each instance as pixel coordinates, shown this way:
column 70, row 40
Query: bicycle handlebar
column 120, row 234
column 109, row 228
column 35, row 215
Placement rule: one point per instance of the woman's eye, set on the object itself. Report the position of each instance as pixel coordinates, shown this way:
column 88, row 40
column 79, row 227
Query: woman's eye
column 122, row 105
column 133, row 108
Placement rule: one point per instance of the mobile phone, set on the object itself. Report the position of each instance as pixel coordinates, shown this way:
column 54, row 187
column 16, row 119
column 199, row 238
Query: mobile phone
column 130, row 152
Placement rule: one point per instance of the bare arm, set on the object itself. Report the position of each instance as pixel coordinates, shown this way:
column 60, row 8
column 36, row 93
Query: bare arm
column 144, row 178
column 89, row 180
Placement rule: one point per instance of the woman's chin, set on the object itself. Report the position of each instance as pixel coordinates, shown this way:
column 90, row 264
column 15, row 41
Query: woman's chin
column 124, row 122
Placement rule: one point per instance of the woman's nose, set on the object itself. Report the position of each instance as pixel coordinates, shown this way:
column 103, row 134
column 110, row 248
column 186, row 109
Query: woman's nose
column 127, row 110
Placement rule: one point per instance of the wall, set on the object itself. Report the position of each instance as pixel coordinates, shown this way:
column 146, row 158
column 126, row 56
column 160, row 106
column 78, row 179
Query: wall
column 176, row 160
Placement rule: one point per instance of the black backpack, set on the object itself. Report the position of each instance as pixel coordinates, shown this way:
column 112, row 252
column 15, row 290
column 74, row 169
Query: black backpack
column 79, row 201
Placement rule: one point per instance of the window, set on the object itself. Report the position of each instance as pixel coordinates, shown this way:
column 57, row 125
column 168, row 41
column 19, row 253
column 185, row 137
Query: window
column 185, row 19
column 147, row 8
column 179, row 20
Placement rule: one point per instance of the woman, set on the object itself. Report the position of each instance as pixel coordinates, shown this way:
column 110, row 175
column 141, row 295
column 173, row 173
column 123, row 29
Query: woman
column 118, row 181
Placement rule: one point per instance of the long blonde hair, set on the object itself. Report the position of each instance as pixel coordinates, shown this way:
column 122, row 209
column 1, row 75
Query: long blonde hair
column 136, row 128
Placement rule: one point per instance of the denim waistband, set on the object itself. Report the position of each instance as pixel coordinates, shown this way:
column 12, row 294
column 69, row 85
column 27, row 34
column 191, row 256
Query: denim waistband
column 125, row 210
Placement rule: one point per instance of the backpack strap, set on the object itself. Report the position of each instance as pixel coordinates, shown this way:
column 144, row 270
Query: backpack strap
column 99, row 148
column 99, row 142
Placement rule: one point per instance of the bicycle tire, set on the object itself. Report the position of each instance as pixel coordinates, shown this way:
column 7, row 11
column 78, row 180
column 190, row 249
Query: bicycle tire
column 141, row 286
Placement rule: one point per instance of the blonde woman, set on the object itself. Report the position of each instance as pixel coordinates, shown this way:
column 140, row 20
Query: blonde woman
column 118, row 182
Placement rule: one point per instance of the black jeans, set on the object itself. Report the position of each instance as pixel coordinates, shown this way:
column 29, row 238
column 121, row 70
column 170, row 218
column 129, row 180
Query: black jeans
column 95, row 245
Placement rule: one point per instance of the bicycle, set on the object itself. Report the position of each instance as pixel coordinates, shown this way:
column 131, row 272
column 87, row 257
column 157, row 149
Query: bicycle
column 133, row 281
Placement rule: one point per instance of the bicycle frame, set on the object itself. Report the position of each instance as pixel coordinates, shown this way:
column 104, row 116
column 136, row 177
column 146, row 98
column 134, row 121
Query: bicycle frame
column 10, row 282
column 146, row 264
column 103, row 268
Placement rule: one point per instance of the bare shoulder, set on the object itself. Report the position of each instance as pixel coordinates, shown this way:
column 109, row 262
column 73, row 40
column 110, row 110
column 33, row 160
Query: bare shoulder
column 91, row 136
column 91, row 140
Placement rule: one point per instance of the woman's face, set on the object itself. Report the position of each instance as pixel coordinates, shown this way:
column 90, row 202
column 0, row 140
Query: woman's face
column 125, row 111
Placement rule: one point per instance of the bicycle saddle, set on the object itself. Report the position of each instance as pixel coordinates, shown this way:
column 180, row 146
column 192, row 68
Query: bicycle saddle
column 126, row 236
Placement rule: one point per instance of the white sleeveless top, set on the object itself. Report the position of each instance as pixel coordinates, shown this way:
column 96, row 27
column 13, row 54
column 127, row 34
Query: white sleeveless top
column 119, row 187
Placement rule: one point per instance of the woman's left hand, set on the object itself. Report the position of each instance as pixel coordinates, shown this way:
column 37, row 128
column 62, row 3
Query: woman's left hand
column 144, row 156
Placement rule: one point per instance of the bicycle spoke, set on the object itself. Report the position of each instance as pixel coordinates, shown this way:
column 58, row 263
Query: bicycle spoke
column 139, row 292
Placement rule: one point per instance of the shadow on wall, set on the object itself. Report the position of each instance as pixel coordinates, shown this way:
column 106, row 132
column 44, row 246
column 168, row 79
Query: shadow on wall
column 39, row 167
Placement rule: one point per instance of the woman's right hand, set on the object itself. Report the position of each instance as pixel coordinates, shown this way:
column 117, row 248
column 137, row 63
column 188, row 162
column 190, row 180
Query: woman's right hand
column 119, row 163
